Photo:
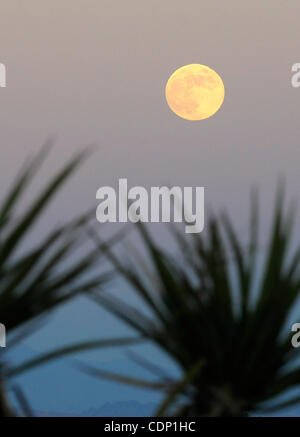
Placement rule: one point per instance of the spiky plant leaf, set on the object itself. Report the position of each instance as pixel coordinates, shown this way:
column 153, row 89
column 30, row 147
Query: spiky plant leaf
column 35, row 281
column 215, row 306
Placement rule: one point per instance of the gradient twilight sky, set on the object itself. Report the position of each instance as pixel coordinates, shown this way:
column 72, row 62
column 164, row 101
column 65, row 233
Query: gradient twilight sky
column 94, row 71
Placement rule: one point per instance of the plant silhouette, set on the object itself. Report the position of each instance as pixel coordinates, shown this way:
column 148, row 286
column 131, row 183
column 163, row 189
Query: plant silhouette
column 217, row 315
column 36, row 281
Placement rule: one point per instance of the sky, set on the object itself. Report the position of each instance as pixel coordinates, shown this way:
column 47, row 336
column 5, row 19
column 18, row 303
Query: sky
column 94, row 72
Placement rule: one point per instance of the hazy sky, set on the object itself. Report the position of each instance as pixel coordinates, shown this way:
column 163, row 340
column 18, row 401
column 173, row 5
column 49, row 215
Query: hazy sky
column 95, row 71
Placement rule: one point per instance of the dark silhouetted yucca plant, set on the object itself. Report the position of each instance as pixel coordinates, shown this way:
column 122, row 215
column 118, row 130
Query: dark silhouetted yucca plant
column 33, row 282
column 222, row 315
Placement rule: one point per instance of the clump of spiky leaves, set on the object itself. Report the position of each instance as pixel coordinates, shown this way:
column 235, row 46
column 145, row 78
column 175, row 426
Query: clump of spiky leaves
column 218, row 317
column 34, row 282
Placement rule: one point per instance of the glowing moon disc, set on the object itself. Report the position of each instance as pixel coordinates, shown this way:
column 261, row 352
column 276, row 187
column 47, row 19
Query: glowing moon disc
column 195, row 92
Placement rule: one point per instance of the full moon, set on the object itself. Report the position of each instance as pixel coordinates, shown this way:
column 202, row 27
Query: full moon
column 195, row 92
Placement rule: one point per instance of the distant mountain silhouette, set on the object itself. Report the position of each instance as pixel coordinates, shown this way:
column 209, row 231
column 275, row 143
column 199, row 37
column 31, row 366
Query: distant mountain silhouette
column 111, row 409
column 61, row 388
column 122, row 409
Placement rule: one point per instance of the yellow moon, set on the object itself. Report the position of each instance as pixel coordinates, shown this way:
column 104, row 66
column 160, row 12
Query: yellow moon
column 195, row 92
